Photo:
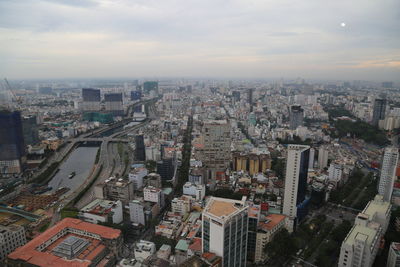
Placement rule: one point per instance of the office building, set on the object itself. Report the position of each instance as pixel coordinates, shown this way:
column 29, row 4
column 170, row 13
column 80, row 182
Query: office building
column 362, row 243
column 394, row 255
column 250, row 98
column 236, row 96
column 11, row 237
column 91, row 99
column 150, row 86
column 140, row 150
column 114, row 103
column 295, row 201
column 136, row 176
column 136, row 95
column 388, row 173
column 296, row 117
column 166, row 169
column 30, row 130
column 70, row 242
column 137, row 212
column 379, row 111
column 225, row 227
column 12, row 146
column 216, row 154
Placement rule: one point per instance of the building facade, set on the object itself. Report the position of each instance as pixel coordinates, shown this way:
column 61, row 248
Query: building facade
column 379, row 111
column 91, row 99
column 225, row 227
column 388, row 173
column 11, row 237
column 12, row 145
column 295, row 117
column 295, row 202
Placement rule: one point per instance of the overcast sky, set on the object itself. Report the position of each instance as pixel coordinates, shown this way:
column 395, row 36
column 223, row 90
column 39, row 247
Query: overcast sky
column 202, row 38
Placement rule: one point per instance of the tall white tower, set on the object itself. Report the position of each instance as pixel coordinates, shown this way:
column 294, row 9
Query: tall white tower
column 388, row 173
column 296, row 184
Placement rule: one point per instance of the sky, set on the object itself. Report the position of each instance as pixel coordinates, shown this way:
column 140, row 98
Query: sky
column 312, row 39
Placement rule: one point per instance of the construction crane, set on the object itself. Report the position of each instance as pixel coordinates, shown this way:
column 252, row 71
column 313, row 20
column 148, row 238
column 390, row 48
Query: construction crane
column 15, row 99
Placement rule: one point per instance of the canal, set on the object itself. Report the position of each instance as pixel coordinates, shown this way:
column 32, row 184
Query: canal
column 80, row 161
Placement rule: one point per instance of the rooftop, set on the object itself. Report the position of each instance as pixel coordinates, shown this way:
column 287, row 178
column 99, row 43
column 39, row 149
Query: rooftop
column 221, row 207
column 359, row 232
column 272, row 221
column 82, row 255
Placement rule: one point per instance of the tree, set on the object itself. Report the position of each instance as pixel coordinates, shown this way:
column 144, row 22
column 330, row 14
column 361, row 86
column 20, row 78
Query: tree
column 281, row 246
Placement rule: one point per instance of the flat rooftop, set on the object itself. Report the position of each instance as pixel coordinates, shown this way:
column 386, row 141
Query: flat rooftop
column 366, row 234
column 220, row 207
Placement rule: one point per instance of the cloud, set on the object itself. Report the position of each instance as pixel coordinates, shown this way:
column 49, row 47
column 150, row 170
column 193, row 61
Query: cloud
column 252, row 38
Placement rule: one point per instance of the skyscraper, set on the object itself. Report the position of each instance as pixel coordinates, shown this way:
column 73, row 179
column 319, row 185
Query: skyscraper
column 136, row 95
column 323, row 156
column 296, row 117
column 140, row 152
column 12, row 146
column 30, row 130
column 379, row 111
column 217, row 146
column 225, row 225
column 91, row 99
column 114, row 103
column 388, row 173
column 150, row 86
column 295, row 202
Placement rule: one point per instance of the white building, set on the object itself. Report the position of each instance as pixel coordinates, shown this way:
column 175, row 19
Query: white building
column 153, row 194
column 136, row 212
column 335, row 172
column 225, row 226
column 394, row 255
column 388, row 172
column 311, row 160
column 323, row 154
column 100, row 210
column 181, row 205
column 198, row 191
column 11, row 237
column 362, row 242
column 295, row 183
column 136, row 176
column 144, row 249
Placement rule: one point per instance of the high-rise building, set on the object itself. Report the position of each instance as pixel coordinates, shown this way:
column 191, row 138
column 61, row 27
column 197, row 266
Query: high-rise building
column 12, row 146
column 323, row 155
column 225, row 226
column 250, row 98
column 114, row 103
column 379, row 111
column 296, row 117
column 11, row 237
column 236, row 96
column 388, row 173
column 91, row 99
column 362, row 243
column 150, row 86
column 140, row 151
column 30, row 130
column 136, row 95
column 217, row 146
column 295, row 201
column 166, row 169
column 394, row 255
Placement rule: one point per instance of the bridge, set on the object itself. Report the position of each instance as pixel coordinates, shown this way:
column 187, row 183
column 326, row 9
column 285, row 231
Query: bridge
column 27, row 215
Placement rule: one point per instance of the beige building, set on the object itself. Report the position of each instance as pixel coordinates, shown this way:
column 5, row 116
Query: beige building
column 11, row 237
column 362, row 242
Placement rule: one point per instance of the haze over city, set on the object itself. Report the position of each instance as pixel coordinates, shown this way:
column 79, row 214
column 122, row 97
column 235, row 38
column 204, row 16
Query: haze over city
column 340, row 40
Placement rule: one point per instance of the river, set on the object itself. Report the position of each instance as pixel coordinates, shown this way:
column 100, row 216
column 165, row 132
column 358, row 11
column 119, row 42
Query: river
column 80, row 161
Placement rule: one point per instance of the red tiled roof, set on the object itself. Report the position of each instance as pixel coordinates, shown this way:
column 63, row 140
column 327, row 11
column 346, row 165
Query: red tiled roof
column 29, row 253
column 196, row 245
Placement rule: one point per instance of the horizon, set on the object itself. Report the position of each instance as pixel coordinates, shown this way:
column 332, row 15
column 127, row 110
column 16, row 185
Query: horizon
column 339, row 40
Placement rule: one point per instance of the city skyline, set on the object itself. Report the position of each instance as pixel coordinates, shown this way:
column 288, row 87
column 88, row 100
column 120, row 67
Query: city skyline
column 257, row 39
